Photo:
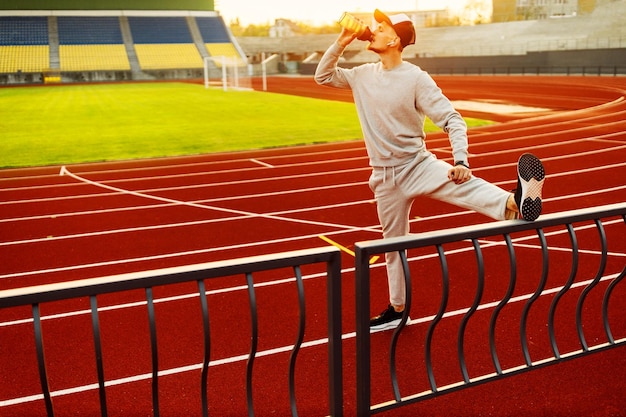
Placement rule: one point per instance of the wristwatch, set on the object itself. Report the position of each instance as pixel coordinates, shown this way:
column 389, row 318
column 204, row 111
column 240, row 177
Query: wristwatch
column 465, row 164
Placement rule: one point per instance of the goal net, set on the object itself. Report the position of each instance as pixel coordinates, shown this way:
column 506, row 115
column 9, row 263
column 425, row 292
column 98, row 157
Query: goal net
column 227, row 72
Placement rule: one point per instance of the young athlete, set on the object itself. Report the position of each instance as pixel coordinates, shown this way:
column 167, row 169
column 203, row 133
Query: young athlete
column 392, row 99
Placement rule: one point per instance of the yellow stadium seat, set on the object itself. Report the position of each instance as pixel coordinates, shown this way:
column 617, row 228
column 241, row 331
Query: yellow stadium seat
column 168, row 56
column 24, row 58
column 223, row 49
column 93, row 58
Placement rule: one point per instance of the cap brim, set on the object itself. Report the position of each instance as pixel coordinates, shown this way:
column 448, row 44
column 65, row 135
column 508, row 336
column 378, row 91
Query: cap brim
column 381, row 17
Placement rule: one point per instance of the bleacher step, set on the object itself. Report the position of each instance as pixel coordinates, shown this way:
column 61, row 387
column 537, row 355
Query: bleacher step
column 53, row 42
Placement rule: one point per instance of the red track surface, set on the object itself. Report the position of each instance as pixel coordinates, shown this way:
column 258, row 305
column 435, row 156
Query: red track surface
column 59, row 228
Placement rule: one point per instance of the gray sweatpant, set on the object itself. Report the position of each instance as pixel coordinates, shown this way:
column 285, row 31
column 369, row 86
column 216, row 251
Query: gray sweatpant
column 395, row 188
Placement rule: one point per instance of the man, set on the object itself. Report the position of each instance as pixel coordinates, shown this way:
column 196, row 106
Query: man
column 392, row 99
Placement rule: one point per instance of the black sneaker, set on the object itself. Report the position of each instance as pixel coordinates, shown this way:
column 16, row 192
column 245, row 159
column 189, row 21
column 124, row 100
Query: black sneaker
column 386, row 320
column 530, row 178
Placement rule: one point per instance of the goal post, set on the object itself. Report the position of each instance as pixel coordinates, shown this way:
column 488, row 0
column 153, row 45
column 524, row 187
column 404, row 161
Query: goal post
column 227, row 72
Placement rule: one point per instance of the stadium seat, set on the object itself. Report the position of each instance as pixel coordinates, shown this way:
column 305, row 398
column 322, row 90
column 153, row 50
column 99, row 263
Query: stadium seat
column 24, row 44
column 213, row 30
column 24, row 58
column 91, row 43
column 93, row 58
column 164, row 43
column 168, row 56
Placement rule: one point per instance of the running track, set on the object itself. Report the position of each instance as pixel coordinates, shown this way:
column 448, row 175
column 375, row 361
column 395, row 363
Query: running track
column 109, row 218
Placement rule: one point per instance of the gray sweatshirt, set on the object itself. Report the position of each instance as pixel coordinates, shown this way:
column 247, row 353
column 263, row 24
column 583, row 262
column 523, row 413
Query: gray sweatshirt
column 392, row 105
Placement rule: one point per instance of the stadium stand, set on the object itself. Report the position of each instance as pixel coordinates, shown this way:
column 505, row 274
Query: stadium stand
column 212, row 30
column 164, row 43
column 91, row 43
column 23, row 44
column 103, row 45
column 216, row 39
column 79, row 45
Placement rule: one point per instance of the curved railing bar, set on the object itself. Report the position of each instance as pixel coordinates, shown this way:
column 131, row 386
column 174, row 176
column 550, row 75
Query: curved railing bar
column 41, row 360
column 502, row 304
column 396, row 333
column 565, row 289
column 442, row 308
column 204, row 305
column 592, row 284
column 535, row 296
column 605, row 302
column 477, row 298
column 155, row 352
column 254, row 339
column 605, row 305
column 299, row 340
column 95, row 325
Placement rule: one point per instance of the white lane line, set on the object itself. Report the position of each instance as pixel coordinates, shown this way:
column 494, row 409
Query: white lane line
column 65, row 171
column 185, row 187
column 207, row 173
column 317, row 162
column 593, row 169
column 194, row 223
column 165, row 255
column 374, row 229
column 603, row 151
column 209, row 164
column 265, row 164
column 210, row 200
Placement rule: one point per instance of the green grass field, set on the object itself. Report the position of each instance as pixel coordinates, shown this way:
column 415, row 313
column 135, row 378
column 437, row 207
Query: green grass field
column 104, row 122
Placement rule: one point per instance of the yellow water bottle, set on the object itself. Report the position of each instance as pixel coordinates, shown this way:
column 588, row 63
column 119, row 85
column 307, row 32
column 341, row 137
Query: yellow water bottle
column 354, row 25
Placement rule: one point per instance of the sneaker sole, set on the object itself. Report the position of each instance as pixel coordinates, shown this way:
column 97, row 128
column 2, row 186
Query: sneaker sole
column 389, row 325
column 531, row 176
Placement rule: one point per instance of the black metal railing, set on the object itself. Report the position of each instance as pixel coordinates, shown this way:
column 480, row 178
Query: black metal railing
column 498, row 234
column 433, row 242
column 146, row 281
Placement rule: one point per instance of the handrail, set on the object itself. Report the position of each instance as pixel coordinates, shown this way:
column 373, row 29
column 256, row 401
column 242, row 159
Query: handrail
column 147, row 280
column 436, row 239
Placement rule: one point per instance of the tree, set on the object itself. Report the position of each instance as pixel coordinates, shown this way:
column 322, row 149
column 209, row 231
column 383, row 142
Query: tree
column 476, row 12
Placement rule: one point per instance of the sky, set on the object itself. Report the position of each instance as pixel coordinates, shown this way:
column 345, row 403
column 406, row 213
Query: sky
column 318, row 11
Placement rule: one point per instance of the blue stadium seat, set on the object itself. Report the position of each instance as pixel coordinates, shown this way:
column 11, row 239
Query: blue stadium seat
column 89, row 30
column 23, row 30
column 163, row 30
column 213, row 30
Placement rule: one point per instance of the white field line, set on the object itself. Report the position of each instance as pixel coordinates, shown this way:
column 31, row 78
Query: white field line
column 200, row 202
column 245, row 214
column 374, row 229
column 238, row 197
column 207, row 184
column 604, row 151
column 175, row 202
column 265, row 164
column 211, row 164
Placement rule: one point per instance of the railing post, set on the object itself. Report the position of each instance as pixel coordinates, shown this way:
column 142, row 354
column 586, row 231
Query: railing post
column 335, row 368
column 363, row 371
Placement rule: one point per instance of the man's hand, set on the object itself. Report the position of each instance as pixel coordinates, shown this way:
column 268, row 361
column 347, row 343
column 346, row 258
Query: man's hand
column 459, row 174
column 345, row 38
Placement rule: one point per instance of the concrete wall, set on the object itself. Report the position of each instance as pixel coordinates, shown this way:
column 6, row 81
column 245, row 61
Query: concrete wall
column 596, row 61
